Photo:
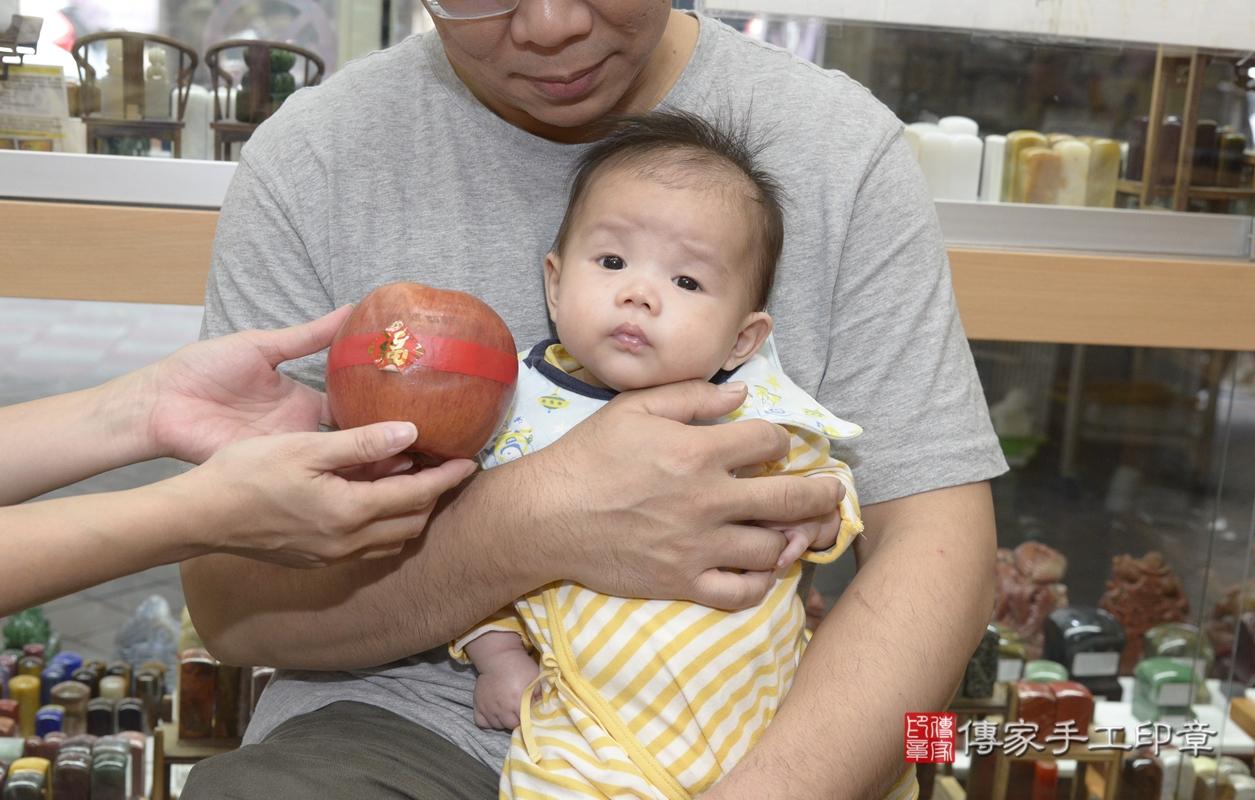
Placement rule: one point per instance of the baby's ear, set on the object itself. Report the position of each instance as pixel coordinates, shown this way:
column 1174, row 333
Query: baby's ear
column 755, row 329
column 553, row 274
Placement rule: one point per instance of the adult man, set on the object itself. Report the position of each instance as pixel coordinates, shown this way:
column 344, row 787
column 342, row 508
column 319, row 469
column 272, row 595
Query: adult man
column 443, row 160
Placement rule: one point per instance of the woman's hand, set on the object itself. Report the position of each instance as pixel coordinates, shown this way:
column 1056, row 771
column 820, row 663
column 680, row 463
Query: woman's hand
column 212, row 393
column 275, row 498
column 279, row 498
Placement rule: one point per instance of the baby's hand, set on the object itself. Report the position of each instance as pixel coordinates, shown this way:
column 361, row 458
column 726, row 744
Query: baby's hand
column 498, row 693
column 499, row 689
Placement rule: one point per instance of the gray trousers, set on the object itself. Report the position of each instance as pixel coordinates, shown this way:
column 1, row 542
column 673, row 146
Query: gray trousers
column 345, row 750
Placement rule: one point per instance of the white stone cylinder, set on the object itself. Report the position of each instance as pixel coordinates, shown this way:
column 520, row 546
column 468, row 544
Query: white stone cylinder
column 1178, row 775
column 959, row 125
column 1243, row 787
column 198, row 140
column 111, row 85
column 75, row 135
column 912, row 136
column 965, row 162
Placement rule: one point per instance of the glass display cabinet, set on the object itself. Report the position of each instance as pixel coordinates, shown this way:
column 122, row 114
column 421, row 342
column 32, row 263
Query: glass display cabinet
column 1092, row 172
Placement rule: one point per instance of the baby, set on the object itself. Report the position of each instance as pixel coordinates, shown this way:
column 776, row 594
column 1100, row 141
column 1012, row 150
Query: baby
column 660, row 273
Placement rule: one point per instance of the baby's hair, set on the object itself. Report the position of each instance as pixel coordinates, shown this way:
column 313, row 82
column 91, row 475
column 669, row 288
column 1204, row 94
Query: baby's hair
column 677, row 148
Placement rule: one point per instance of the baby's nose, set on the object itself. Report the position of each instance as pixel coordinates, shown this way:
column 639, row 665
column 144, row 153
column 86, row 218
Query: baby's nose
column 639, row 293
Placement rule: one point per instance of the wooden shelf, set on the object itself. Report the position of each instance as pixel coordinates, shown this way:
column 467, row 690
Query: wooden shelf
column 138, row 254
column 1194, row 192
column 982, row 705
column 77, row 251
column 169, row 750
column 1110, row 300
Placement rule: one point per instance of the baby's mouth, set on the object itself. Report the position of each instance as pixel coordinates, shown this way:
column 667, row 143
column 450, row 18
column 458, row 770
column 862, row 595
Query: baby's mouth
column 630, row 337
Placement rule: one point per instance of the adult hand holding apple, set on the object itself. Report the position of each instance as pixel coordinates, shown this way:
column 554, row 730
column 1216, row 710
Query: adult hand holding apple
column 440, row 359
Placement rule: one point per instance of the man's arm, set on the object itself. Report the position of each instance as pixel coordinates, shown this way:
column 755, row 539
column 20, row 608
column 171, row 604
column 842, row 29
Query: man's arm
column 897, row 641
column 631, row 502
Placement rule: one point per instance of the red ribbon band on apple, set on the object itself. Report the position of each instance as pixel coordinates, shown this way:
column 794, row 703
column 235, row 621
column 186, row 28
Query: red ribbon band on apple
column 433, row 352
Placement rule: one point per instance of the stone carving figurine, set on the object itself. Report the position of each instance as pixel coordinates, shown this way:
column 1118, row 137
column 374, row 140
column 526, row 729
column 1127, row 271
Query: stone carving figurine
column 157, row 86
column 1142, row 593
column 1029, row 589
column 111, row 85
column 31, row 627
column 282, row 85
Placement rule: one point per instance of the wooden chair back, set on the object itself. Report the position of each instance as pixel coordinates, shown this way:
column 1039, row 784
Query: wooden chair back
column 133, row 69
column 257, row 59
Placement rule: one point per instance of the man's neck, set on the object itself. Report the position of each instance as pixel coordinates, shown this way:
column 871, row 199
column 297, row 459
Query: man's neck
column 663, row 68
column 650, row 86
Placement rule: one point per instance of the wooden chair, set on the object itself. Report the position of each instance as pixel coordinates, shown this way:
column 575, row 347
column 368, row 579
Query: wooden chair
column 133, row 121
column 256, row 102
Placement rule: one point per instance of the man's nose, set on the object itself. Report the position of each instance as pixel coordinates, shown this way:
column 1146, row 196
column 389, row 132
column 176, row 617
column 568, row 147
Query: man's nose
column 550, row 23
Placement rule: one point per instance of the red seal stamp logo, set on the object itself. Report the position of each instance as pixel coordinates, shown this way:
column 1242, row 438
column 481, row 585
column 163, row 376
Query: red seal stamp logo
column 929, row 738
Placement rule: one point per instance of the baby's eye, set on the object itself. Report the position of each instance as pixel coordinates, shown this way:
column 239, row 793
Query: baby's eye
column 611, row 262
column 685, row 282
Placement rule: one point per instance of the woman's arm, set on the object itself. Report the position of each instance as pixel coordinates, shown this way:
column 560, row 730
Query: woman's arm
column 186, row 406
column 60, row 440
column 276, row 498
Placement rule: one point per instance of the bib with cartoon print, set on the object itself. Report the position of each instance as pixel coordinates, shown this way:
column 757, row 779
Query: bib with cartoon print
column 548, row 402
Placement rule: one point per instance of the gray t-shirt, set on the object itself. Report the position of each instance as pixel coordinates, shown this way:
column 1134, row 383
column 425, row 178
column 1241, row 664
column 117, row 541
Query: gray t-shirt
column 392, row 171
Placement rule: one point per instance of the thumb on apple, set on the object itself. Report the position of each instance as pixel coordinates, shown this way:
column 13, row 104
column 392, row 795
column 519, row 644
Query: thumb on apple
column 358, row 446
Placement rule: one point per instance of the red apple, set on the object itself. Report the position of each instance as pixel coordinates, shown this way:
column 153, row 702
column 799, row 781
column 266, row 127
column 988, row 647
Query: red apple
column 438, row 358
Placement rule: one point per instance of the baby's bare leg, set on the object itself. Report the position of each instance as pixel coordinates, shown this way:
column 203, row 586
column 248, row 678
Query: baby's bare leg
column 506, row 669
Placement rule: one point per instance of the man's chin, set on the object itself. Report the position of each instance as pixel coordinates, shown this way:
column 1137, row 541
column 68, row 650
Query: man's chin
column 580, row 112
column 571, row 116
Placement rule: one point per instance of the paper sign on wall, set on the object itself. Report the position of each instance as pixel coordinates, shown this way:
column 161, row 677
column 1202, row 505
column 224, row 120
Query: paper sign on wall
column 33, row 109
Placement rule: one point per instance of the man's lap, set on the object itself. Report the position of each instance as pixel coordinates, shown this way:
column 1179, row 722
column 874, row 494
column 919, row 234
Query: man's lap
column 345, row 750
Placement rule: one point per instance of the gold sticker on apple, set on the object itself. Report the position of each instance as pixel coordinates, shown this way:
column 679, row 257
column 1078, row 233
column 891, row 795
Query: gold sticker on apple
column 395, row 349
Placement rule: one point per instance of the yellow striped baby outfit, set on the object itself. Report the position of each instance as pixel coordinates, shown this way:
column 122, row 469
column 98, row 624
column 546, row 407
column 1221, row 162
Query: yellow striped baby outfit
column 653, row 698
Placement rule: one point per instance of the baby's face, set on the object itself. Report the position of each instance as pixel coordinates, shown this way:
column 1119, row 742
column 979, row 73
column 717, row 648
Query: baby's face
column 652, row 286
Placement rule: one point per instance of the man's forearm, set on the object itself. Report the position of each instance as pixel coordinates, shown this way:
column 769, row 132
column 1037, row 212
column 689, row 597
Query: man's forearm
column 897, row 641
column 364, row 613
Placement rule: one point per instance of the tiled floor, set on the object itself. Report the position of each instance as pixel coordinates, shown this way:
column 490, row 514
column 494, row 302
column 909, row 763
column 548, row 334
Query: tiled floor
column 93, row 342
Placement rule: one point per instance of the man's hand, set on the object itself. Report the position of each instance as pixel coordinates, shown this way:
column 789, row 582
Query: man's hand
column 650, row 506
column 816, row 533
column 218, row 391
column 280, row 498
